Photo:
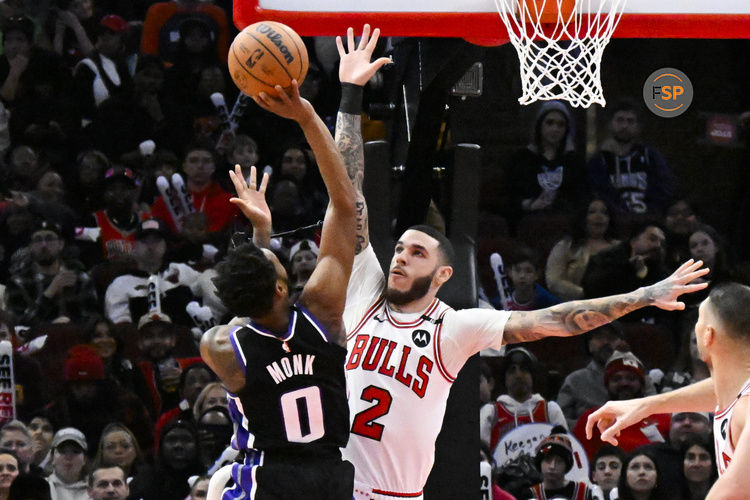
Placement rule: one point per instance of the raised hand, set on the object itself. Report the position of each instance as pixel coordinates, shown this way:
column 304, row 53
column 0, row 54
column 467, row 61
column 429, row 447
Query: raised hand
column 664, row 293
column 355, row 66
column 287, row 105
column 252, row 198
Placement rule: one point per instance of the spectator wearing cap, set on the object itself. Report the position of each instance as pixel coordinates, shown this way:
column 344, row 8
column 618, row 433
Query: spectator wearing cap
column 18, row 39
column 161, row 367
column 625, row 378
column 584, row 388
column 118, row 221
column 89, row 401
column 303, row 257
column 554, row 459
column 519, row 405
column 68, row 478
column 683, row 427
column 50, row 289
column 104, row 72
column 161, row 28
column 199, row 165
column 178, row 284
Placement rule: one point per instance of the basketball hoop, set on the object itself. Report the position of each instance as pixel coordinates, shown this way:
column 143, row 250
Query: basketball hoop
column 560, row 45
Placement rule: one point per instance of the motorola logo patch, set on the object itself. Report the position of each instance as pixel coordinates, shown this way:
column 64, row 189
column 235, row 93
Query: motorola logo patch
column 724, row 428
column 420, row 338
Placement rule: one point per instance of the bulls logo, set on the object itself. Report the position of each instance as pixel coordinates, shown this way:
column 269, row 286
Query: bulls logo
column 724, row 428
column 421, row 338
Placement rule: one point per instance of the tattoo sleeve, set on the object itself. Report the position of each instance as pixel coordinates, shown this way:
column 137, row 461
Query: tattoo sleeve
column 573, row 318
column 349, row 142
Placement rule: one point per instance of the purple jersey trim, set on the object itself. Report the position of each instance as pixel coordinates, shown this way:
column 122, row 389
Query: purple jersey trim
column 313, row 320
column 237, row 350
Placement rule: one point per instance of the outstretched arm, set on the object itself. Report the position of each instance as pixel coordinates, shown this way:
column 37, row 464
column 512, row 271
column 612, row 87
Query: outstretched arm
column 325, row 291
column 615, row 416
column 355, row 69
column 579, row 316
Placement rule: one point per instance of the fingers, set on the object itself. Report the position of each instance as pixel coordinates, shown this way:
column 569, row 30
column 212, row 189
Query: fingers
column 252, row 177
column 610, row 435
column 264, row 182
column 365, row 37
column 379, row 63
column 350, row 39
column 340, row 47
column 373, row 41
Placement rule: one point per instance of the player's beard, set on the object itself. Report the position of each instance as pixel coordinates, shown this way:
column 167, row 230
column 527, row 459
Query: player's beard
column 418, row 289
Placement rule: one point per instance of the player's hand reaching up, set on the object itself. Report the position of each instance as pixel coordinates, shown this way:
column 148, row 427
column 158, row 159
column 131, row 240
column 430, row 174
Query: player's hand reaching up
column 355, row 66
column 251, row 199
column 664, row 294
column 287, row 104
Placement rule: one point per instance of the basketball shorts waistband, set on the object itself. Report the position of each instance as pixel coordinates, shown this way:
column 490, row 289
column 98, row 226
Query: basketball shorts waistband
column 362, row 490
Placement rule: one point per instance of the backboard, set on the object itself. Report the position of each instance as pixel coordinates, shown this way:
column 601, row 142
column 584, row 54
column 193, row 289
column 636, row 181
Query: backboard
column 477, row 20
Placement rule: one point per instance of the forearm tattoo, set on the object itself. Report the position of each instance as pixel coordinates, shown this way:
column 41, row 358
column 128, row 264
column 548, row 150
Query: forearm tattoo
column 575, row 317
column 349, row 142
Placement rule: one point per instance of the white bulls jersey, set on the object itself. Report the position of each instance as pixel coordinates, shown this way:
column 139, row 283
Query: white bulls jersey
column 400, row 368
column 723, row 432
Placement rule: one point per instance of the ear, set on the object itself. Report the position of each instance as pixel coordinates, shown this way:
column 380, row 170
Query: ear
column 443, row 274
column 281, row 289
column 709, row 337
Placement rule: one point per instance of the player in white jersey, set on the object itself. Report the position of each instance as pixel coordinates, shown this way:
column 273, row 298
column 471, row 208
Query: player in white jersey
column 723, row 335
column 405, row 347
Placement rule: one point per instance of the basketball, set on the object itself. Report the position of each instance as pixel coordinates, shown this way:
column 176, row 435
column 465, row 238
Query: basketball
column 266, row 54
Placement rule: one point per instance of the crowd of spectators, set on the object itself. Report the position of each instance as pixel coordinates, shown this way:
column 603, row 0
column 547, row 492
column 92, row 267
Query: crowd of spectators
column 115, row 208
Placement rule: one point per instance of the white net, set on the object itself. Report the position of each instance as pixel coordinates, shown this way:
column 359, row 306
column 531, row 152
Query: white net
column 561, row 59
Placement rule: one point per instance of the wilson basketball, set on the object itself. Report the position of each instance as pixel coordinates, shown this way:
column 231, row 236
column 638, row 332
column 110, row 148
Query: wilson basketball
column 266, row 54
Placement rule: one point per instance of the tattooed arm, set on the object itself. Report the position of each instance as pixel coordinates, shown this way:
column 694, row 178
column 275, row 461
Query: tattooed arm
column 579, row 316
column 355, row 70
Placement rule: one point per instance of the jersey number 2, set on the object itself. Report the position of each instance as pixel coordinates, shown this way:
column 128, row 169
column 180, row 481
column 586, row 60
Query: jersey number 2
column 303, row 415
column 363, row 422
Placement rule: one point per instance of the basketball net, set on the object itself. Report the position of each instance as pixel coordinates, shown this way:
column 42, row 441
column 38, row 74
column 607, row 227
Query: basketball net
column 560, row 45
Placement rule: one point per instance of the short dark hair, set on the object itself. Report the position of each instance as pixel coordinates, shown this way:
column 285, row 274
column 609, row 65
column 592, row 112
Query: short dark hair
column 524, row 254
column 105, row 466
column 444, row 244
column 245, row 281
column 731, row 301
column 641, row 227
column 624, row 104
column 607, row 450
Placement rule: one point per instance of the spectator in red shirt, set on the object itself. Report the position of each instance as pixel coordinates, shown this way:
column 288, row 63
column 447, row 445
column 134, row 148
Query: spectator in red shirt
column 625, row 377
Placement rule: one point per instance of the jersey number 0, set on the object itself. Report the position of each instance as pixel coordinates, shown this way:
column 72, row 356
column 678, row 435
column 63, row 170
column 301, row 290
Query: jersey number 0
column 302, row 411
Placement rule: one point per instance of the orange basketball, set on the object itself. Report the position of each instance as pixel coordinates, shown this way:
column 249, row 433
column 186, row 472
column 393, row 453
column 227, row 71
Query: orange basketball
column 266, row 54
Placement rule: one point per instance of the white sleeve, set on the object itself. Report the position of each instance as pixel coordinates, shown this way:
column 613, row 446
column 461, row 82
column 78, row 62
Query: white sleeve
column 116, row 303
column 468, row 331
column 365, row 286
column 556, row 416
column 487, row 416
column 207, row 292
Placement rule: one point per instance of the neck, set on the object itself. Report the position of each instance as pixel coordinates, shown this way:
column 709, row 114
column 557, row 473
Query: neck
column 731, row 374
column 523, row 295
column 277, row 320
column 196, row 185
column 549, row 150
column 622, row 148
column 149, row 267
column 414, row 306
column 555, row 484
column 641, row 495
column 49, row 269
